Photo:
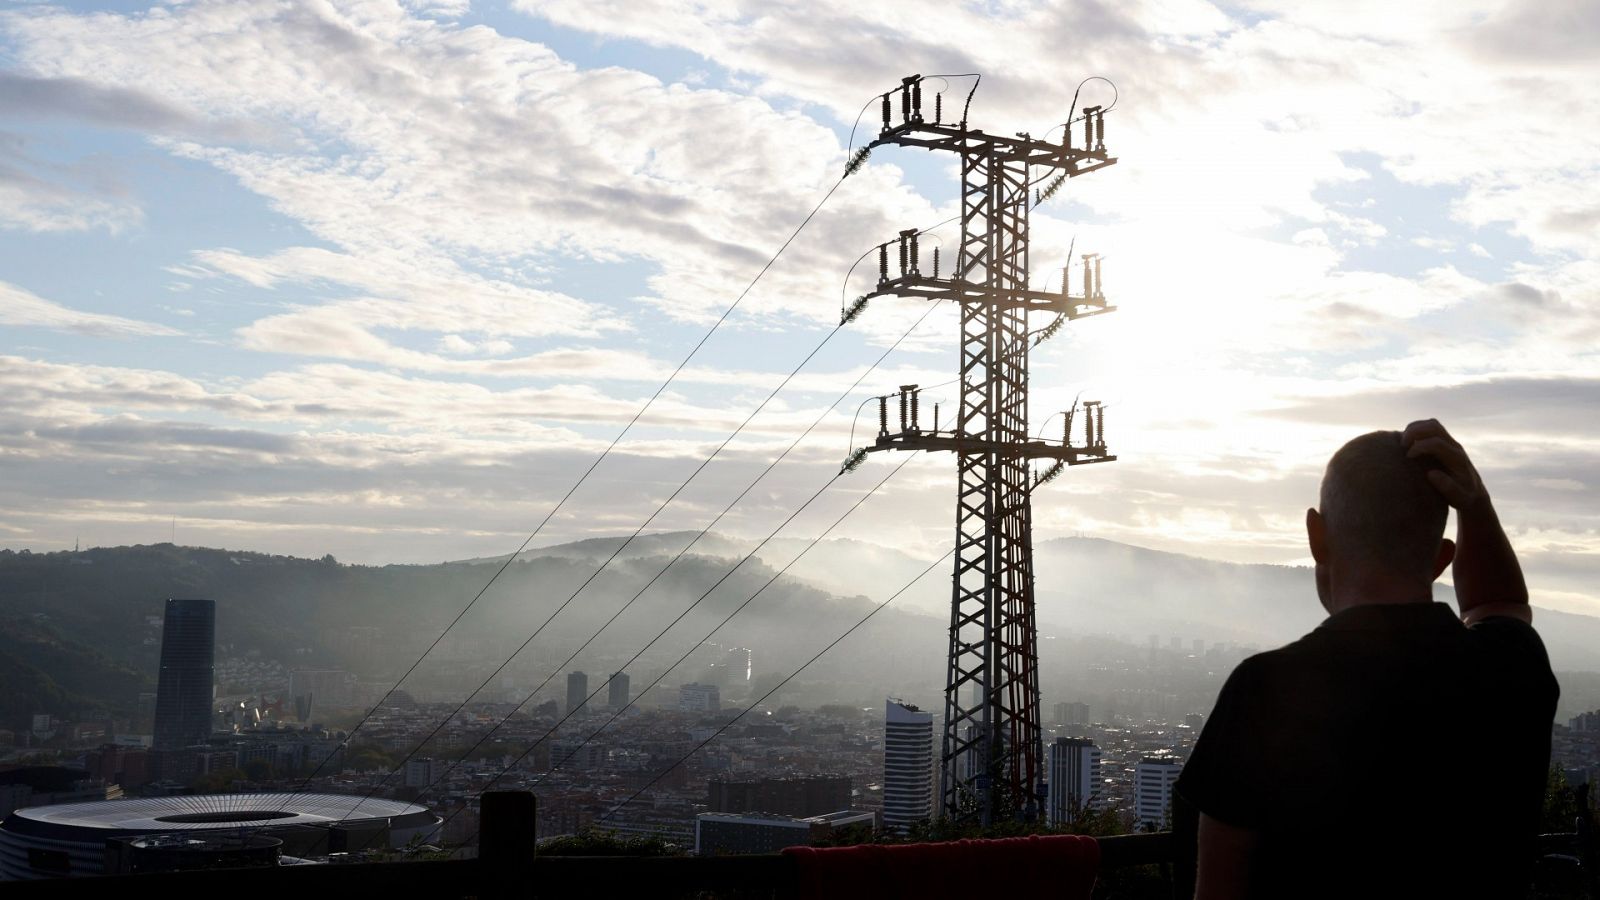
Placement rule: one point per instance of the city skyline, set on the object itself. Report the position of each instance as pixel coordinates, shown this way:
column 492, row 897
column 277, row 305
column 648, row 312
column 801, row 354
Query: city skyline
column 823, row 769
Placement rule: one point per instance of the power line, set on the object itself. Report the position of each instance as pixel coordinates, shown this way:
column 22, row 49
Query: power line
column 583, row 478
column 573, row 710
column 742, row 713
column 606, row 564
column 718, row 627
column 726, row 619
column 628, row 542
column 681, row 553
column 709, row 634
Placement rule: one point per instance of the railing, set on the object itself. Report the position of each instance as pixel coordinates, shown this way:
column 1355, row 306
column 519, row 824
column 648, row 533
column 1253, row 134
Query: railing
column 508, row 866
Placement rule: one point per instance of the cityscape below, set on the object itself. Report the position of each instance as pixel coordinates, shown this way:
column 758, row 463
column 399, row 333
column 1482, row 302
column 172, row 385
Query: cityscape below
column 255, row 750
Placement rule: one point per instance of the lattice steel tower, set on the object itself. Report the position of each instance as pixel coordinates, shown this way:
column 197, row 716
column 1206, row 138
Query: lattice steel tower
column 992, row 754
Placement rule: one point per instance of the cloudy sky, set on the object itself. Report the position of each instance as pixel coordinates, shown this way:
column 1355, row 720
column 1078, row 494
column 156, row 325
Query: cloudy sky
column 382, row 279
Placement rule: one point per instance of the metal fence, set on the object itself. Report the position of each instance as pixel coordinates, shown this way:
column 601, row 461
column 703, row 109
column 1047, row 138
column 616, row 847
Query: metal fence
column 509, row 866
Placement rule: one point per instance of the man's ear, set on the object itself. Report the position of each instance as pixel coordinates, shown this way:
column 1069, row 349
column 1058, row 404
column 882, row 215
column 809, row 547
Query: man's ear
column 1317, row 535
column 1447, row 555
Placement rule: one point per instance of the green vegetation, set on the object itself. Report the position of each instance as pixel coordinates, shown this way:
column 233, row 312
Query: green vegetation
column 218, row 782
column 592, row 840
column 40, row 671
column 1558, row 877
column 369, row 757
column 1562, row 805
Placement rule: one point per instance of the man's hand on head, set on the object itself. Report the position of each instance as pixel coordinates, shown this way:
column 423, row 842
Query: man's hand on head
column 1488, row 578
column 1455, row 478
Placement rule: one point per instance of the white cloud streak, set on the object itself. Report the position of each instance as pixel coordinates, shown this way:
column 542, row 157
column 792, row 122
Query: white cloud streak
column 24, row 308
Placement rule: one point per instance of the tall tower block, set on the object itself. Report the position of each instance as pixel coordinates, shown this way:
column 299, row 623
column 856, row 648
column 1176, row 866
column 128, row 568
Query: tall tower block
column 907, row 765
column 185, row 685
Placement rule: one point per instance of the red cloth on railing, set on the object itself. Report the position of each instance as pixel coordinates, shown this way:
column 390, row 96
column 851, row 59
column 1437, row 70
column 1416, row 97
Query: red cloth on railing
column 1059, row 866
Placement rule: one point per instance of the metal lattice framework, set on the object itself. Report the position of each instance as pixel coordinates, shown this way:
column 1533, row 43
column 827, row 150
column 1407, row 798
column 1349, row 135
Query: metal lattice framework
column 992, row 754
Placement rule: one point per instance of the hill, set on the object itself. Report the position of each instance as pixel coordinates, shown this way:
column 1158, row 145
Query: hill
column 79, row 632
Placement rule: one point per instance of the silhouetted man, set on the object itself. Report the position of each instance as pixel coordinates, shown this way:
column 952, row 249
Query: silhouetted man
column 1398, row 749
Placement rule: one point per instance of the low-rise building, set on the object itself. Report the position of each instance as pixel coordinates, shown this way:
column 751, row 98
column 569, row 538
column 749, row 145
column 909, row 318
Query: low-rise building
column 723, row 834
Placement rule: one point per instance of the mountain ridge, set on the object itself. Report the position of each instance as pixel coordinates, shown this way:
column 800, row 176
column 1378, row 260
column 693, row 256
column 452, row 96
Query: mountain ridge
column 1093, row 596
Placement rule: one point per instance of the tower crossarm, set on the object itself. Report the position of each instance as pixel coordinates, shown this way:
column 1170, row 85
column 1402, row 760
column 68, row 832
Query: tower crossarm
column 1063, row 157
column 1040, row 449
column 912, row 436
column 960, row 444
column 927, row 288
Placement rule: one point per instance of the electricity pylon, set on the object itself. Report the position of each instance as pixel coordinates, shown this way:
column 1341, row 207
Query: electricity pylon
column 992, row 753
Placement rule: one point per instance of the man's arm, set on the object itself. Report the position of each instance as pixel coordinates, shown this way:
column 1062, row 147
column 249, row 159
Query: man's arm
column 1488, row 577
column 1226, row 853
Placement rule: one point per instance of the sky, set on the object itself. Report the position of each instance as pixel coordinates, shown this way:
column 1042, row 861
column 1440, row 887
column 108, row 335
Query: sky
column 383, row 279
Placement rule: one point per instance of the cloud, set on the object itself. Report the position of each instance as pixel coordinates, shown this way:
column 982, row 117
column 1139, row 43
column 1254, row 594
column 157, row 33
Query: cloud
column 501, row 466
column 419, row 294
column 327, row 396
column 1537, row 411
column 437, row 356
column 26, row 96
column 510, row 156
column 21, row 307
column 123, row 434
column 1527, row 297
column 1231, row 120
column 1540, row 33
column 44, row 196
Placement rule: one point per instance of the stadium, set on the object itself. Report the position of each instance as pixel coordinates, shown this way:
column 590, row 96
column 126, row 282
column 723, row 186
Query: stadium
column 72, row 838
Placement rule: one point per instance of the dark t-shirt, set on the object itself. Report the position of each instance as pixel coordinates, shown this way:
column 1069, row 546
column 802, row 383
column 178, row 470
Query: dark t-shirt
column 1390, row 752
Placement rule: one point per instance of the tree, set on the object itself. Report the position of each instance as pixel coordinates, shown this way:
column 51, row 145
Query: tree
column 1097, row 820
column 216, row 782
column 592, row 840
column 369, row 757
column 1562, row 804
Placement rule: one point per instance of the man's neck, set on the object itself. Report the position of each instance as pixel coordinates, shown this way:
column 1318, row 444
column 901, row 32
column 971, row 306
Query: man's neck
column 1378, row 591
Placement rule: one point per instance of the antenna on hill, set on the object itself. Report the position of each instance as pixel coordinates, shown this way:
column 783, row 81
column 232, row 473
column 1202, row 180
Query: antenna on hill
column 992, row 756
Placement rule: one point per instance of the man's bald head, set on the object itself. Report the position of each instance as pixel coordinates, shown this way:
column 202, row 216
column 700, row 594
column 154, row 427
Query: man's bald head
column 1379, row 508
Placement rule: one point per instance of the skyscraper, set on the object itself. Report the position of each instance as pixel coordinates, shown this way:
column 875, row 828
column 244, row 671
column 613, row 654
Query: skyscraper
column 697, row 697
column 738, row 662
column 577, row 691
column 976, row 757
column 1072, row 713
column 907, row 765
column 184, row 687
column 1153, row 778
column 618, row 690
column 1074, row 777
